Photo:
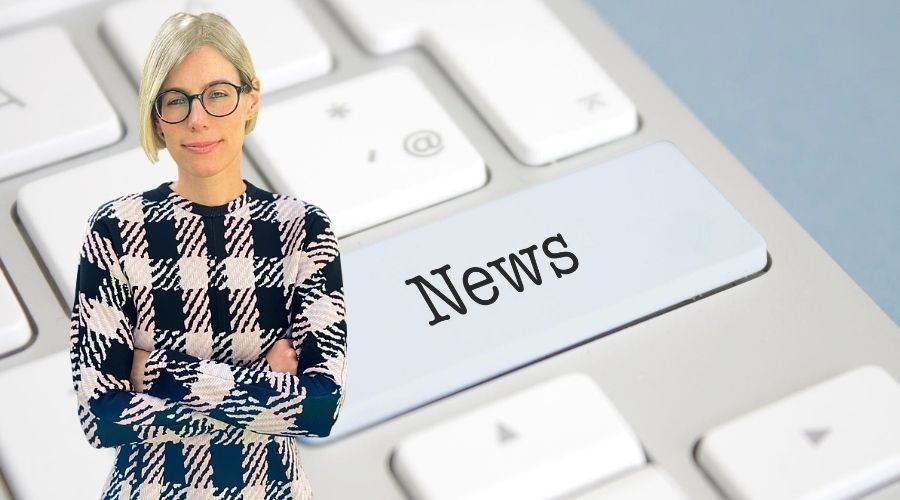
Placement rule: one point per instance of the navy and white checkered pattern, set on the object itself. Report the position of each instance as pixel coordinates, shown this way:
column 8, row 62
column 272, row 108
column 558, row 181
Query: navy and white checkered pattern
column 207, row 290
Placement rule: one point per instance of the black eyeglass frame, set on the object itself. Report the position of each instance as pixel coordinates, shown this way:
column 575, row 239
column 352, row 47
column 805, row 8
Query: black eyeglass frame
column 240, row 89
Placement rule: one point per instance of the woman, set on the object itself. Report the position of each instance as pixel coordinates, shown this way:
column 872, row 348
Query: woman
column 208, row 324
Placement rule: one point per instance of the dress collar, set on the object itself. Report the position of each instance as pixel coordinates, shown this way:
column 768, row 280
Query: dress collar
column 218, row 210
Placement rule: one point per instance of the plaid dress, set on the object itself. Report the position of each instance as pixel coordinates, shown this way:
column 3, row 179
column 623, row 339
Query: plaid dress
column 207, row 291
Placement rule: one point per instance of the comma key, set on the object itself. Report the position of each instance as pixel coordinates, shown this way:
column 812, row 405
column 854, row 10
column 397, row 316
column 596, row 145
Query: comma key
column 383, row 130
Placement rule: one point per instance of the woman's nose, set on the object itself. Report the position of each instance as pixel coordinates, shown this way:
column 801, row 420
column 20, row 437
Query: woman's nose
column 198, row 116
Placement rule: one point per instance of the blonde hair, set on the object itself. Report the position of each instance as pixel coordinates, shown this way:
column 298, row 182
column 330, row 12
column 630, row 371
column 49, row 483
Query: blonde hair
column 180, row 34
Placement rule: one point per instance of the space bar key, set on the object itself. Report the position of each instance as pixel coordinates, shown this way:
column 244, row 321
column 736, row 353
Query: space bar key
column 460, row 300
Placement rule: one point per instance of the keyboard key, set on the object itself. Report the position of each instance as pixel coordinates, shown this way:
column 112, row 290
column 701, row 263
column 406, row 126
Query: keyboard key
column 15, row 12
column 546, row 441
column 505, row 283
column 53, row 111
column 40, row 433
column 648, row 483
column 541, row 91
column 366, row 150
column 296, row 54
column 837, row 439
column 57, row 233
column 14, row 329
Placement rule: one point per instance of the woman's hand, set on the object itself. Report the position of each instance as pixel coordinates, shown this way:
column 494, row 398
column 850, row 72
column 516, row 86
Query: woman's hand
column 137, row 369
column 282, row 357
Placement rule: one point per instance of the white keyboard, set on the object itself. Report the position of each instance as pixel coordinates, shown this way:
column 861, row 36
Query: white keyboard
column 558, row 283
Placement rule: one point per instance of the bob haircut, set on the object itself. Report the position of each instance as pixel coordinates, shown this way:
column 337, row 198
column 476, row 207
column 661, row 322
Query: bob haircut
column 180, row 34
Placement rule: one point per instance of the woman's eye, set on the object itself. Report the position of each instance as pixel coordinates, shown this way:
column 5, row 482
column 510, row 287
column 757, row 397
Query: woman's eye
column 219, row 94
column 175, row 101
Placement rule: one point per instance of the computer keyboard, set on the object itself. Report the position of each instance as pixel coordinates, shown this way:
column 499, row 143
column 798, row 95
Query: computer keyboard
column 558, row 283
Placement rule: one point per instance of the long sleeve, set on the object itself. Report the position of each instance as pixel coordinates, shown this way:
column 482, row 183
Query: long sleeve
column 306, row 403
column 101, row 353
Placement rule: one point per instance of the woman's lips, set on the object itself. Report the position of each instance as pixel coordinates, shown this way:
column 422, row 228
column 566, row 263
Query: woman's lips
column 201, row 147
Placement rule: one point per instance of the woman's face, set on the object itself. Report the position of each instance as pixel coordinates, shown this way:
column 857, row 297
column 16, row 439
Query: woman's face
column 204, row 145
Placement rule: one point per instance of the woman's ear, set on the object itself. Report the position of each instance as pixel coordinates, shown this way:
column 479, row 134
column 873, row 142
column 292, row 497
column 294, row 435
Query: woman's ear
column 254, row 97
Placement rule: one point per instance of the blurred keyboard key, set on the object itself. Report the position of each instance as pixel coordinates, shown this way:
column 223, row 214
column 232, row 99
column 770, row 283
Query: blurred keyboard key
column 57, row 233
column 648, row 483
column 494, row 287
column 541, row 91
column 837, row 439
column 286, row 47
column 542, row 442
column 14, row 329
column 14, row 12
column 50, row 105
column 366, row 150
column 44, row 451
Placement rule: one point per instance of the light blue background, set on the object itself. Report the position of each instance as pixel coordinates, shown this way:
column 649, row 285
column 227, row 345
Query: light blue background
column 807, row 95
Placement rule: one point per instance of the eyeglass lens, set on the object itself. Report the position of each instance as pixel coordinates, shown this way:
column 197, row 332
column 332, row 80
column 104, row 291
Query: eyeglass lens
column 219, row 99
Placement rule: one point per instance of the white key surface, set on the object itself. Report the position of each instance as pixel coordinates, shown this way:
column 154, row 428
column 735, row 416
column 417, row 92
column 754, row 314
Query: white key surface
column 536, row 85
column 14, row 12
column 50, row 104
column 57, row 234
column 42, row 447
column 837, row 439
column 366, row 150
column 546, row 441
column 648, row 483
column 648, row 231
column 14, row 329
column 285, row 46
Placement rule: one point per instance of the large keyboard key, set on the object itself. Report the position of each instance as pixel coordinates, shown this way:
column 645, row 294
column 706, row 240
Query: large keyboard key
column 14, row 12
column 540, row 90
column 57, row 233
column 285, row 46
column 14, row 329
column 42, row 447
column 543, row 442
column 479, row 293
column 366, row 150
column 50, row 111
column 837, row 439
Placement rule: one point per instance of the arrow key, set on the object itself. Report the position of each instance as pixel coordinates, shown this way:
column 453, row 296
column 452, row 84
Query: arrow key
column 546, row 441
column 838, row 439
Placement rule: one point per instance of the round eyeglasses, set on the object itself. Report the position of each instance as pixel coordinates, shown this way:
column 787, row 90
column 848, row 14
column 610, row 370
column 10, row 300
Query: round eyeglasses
column 218, row 99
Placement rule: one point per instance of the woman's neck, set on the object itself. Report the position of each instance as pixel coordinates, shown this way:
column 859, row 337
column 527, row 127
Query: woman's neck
column 209, row 191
